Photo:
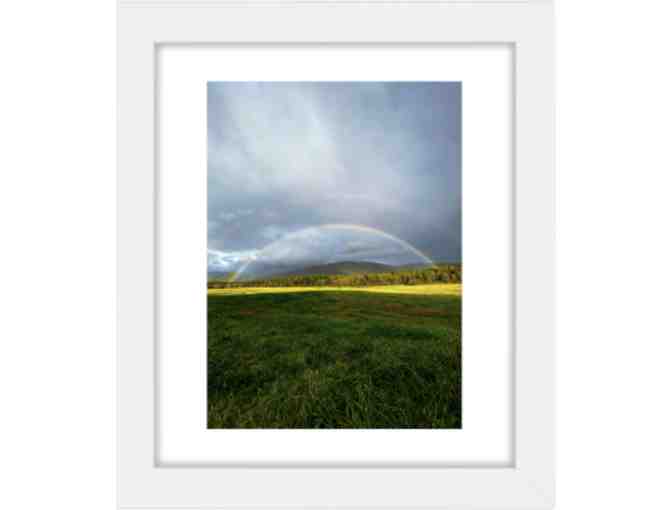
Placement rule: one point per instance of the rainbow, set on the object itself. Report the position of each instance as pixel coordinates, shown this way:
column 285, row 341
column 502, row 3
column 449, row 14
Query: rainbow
column 339, row 226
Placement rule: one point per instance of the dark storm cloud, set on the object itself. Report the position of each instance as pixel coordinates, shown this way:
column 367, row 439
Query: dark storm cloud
column 283, row 157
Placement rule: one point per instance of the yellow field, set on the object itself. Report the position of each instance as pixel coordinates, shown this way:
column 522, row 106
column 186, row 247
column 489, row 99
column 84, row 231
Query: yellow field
column 444, row 289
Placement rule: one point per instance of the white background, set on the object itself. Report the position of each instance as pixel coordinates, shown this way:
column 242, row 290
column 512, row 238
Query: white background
column 57, row 345
column 485, row 73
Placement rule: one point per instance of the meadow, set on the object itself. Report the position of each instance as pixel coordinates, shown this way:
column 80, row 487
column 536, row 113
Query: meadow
column 381, row 356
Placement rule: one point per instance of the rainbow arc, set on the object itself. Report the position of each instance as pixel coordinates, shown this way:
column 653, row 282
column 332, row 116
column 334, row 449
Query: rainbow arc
column 338, row 226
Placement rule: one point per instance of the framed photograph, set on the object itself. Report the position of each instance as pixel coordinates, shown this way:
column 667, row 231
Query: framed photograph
column 335, row 245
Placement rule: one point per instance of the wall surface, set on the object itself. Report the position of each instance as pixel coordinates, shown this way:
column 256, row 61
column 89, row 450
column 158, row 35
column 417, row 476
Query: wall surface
column 57, row 264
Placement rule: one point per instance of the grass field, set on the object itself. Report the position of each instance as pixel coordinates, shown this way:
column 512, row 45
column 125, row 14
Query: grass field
column 335, row 357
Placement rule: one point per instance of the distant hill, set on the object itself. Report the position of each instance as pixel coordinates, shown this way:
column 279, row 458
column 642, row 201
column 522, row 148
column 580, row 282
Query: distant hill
column 351, row 274
column 336, row 271
column 338, row 268
column 219, row 275
column 264, row 271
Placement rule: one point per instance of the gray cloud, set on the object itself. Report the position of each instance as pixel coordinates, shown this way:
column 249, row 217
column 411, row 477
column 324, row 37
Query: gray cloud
column 283, row 157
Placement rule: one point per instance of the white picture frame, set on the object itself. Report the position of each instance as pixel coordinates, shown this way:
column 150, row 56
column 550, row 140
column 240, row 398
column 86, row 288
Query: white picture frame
column 526, row 25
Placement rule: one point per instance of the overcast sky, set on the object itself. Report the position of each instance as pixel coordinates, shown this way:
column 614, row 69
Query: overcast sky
column 286, row 158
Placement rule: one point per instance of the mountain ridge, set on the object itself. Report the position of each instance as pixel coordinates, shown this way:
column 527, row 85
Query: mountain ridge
column 327, row 269
column 338, row 268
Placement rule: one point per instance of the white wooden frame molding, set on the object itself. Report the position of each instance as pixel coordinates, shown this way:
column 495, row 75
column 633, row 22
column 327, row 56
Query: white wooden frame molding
column 527, row 25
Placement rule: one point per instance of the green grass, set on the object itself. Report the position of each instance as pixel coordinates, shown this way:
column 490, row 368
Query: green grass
column 335, row 357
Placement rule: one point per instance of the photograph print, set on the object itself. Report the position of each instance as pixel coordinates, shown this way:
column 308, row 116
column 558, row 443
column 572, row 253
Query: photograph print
column 334, row 264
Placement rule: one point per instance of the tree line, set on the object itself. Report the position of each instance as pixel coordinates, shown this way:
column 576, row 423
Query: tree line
column 443, row 273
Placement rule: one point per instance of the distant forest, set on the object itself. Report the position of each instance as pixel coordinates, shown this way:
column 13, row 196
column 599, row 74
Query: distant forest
column 441, row 273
